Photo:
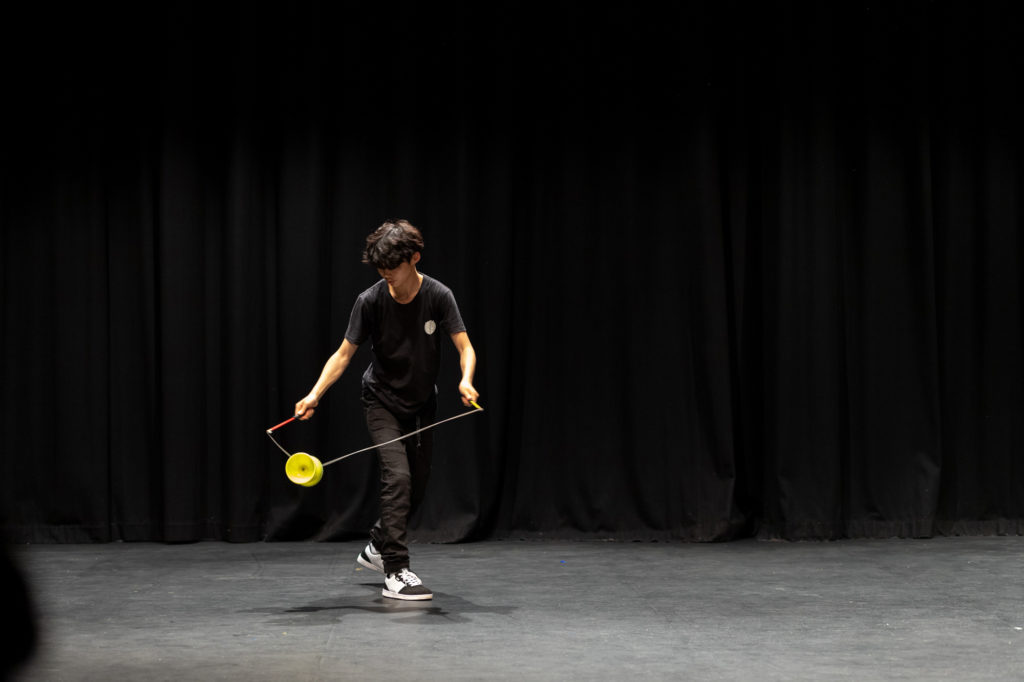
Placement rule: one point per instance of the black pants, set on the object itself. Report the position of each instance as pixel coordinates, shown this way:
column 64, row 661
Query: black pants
column 404, row 471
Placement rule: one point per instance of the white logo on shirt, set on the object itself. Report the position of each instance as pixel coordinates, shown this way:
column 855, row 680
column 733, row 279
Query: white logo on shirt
column 430, row 327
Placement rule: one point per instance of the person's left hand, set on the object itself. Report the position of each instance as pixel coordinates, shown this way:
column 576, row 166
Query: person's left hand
column 468, row 393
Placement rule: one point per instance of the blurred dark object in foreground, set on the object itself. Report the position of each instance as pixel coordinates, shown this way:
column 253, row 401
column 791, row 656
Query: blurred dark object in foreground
column 17, row 620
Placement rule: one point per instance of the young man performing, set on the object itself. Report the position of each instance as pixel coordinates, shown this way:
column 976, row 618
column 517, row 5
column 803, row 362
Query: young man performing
column 404, row 315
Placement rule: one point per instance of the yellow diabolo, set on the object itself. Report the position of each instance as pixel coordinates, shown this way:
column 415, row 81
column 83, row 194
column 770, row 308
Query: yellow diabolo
column 304, row 469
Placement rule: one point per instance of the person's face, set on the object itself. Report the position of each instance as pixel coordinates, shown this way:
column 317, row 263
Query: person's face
column 400, row 276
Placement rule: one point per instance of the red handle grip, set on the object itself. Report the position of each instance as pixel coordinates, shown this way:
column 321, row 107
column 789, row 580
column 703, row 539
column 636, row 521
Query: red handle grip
column 286, row 421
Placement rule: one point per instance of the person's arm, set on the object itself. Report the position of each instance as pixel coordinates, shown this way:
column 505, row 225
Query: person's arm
column 334, row 368
column 467, row 361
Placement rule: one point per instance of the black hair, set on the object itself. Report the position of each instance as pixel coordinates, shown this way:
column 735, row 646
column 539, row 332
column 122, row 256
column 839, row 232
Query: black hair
column 392, row 244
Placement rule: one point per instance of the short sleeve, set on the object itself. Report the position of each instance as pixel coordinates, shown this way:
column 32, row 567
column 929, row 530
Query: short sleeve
column 359, row 325
column 450, row 318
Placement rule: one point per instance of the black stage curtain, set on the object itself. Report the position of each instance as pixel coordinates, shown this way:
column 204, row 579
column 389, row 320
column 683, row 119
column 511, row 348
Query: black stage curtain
column 730, row 269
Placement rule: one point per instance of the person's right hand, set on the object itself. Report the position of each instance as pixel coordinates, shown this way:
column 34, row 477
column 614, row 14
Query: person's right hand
column 304, row 408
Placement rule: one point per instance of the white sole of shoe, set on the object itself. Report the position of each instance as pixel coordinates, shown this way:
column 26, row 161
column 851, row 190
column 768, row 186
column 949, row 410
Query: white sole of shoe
column 368, row 564
column 407, row 597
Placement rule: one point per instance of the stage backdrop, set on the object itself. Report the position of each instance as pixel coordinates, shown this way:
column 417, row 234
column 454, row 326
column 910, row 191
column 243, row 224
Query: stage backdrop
column 730, row 269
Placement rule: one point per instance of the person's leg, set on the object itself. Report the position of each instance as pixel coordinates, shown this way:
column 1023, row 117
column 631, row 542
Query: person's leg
column 389, row 533
column 419, row 451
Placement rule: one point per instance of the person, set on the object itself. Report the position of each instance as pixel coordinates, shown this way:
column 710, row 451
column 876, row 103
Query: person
column 404, row 315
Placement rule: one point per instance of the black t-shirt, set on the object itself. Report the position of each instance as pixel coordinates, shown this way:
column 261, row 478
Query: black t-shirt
column 406, row 341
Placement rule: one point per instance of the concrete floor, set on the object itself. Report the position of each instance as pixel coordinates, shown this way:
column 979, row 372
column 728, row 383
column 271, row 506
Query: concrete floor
column 948, row 608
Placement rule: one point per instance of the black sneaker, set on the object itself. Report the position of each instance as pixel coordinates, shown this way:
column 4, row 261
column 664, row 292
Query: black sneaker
column 405, row 585
column 370, row 558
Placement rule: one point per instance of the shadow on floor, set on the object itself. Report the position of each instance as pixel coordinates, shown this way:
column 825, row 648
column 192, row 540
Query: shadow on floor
column 441, row 610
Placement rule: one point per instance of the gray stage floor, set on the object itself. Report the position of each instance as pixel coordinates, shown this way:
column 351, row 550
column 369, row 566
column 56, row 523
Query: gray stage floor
column 949, row 608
